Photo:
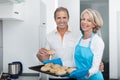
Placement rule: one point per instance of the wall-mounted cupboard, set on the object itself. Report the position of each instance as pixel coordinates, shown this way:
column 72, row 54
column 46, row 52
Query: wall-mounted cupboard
column 12, row 1
column 9, row 11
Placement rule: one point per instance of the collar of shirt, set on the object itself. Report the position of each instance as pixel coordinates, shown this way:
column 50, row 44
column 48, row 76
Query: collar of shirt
column 68, row 30
column 62, row 37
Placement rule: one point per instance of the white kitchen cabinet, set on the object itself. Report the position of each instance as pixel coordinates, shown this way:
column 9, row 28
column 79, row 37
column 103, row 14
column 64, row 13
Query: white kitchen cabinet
column 12, row 1
column 9, row 11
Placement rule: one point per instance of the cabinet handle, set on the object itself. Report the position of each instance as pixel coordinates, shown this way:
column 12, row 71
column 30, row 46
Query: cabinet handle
column 43, row 23
column 16, row 12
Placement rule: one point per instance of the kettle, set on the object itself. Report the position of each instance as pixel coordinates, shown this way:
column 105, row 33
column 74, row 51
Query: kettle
column 15, row 69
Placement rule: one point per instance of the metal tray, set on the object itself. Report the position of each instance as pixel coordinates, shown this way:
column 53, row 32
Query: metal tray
column 37, row 68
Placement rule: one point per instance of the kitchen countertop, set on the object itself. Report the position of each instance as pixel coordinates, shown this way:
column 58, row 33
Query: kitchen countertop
column 22, row 77
column 27, row 78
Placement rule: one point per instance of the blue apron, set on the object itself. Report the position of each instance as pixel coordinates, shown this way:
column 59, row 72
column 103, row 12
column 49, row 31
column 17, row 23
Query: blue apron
column 84, row 58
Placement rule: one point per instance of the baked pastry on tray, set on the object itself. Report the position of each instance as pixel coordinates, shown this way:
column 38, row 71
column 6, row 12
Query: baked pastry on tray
column 69, row 70
column 56, row 69
column 60, row 72
column 45, row 68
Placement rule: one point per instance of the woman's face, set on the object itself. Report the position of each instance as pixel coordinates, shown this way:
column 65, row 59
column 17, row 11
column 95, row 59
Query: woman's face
column 86, row 23
column 61, row 19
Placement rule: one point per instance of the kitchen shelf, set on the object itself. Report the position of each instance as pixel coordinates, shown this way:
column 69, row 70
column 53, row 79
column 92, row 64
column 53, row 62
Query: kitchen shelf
column 11, row 19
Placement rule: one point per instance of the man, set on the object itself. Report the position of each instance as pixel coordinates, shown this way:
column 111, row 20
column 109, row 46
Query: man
column 62, row 41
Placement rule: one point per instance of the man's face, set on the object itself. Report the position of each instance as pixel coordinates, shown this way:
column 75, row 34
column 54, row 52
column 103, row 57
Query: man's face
column 61, row 19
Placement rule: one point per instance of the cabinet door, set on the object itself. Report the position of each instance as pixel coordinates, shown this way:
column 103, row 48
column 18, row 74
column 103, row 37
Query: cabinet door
column 17, row 11
column 11, row 11
column 42, row 28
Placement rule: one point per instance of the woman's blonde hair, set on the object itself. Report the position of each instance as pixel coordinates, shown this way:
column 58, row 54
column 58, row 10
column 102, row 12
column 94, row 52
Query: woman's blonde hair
column 95, row 18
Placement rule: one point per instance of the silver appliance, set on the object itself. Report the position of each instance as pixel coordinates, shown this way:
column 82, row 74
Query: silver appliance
column 15, row 69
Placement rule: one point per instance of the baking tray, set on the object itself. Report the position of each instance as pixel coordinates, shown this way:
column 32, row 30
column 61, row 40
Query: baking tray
column 37, row 68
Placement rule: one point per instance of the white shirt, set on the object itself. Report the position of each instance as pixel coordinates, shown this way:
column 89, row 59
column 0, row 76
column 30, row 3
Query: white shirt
column 64, row 49
column 97, row 47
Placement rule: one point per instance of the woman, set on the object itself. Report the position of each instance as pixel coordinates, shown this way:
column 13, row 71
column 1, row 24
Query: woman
column 89, row 50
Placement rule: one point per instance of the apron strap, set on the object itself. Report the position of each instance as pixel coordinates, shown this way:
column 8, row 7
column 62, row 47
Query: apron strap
column 91, row 39
column 80, row 40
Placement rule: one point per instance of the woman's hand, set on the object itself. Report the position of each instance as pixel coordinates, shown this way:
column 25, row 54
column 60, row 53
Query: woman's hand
column 79, row 73
column 101, row 67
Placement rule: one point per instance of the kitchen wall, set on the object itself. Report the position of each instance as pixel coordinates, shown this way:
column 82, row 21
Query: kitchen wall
column 114, row 7
column 21, row 38
column 1, row 46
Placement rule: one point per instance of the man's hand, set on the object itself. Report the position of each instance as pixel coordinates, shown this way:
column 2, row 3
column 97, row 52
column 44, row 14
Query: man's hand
column 43, row 54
